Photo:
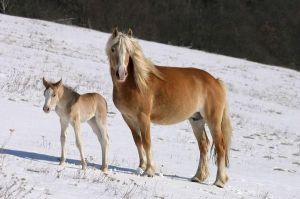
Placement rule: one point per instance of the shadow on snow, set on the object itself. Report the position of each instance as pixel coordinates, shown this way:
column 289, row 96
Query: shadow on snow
column 50, row 158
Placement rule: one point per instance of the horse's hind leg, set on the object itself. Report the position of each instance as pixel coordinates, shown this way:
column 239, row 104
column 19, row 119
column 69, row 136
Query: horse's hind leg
column 197, row 124
column 214, row 125
column 135, row 130
column 100, row 129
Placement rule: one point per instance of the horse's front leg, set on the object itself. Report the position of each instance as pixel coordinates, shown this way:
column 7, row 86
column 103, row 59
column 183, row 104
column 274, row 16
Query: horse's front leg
column 76, row 126
column 63, row 134
column 135, row 130
column 144, row 123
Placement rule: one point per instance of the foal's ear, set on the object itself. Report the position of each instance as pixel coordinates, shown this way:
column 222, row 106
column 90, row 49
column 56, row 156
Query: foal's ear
column 46, row 84
column 59, row 83
column 115, row 32
column 129, row 33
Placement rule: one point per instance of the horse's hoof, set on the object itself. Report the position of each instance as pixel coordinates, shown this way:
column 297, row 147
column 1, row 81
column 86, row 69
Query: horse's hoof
column 195, row 179
column 221, row 183
column 200, row 178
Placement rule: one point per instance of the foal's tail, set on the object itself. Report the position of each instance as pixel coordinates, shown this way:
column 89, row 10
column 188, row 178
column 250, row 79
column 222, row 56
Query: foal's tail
column 226, row 126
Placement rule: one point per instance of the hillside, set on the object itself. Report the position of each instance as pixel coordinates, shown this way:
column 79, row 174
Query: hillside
column 264, row 107
column 264, row 31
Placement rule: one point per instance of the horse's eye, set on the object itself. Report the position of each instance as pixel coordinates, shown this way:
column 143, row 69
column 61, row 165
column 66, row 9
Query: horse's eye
column 53, row 95
column 112, row 49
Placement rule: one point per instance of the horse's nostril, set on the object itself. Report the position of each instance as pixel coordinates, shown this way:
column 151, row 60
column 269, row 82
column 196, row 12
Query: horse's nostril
column 117, row 75
column 46, row 109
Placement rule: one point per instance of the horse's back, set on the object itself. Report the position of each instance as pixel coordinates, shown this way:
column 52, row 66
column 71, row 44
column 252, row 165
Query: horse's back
column 185, row 73
column 190, row 80
column 194, row 78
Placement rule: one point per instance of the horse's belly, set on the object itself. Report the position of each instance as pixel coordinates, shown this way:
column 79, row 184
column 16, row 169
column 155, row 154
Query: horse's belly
column 176, row 108
column 167, row 121
column 173, row 117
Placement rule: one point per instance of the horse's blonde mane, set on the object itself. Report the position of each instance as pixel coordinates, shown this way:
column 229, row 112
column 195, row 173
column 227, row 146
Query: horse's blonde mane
column 143, row 67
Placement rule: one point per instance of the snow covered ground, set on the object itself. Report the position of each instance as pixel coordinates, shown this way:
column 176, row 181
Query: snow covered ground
column 264, row 107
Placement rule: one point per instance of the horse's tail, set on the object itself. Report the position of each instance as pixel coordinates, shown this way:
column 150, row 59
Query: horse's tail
column 226, row 126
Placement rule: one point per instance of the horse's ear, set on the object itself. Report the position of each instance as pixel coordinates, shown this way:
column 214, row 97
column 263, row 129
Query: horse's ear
column 115, row 32
column 59, row 83
column 129, row 33
column 46, row 84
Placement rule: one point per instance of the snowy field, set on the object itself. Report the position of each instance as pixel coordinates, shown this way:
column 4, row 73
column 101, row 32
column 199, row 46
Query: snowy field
column 264, row 106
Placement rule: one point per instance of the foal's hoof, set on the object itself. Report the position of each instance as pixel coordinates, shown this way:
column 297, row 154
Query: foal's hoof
column 104, row 169
column 148, row 173
column 62, row 161
column 84, row 166
column 139, row 171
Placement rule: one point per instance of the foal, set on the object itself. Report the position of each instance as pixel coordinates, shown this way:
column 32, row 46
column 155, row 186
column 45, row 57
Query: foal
column 73, row 108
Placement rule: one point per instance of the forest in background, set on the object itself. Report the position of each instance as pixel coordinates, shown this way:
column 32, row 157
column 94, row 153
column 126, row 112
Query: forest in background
column 266, row 31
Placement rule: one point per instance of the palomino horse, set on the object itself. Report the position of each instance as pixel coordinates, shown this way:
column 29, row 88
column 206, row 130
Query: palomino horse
column 146, row 93
column 74, row 108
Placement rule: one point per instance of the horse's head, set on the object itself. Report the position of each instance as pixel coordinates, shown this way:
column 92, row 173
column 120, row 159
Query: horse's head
column 52, row 92
column 118, row 50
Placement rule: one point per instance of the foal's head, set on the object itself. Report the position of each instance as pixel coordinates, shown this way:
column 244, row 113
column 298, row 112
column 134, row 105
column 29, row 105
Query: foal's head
column 52, row 93
column 118, row 50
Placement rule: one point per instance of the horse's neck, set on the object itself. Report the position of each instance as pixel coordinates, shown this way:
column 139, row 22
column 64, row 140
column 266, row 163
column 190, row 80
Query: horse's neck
column 67, row 97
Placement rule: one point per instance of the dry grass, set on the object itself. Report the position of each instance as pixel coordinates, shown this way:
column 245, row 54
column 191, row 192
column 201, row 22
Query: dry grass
column 13, row 187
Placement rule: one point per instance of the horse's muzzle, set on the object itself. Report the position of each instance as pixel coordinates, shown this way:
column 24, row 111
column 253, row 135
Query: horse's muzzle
column 46, row 109
column 121, row 74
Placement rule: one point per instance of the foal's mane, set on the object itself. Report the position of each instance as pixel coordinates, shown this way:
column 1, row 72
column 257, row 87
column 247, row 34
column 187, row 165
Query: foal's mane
column 71, row 92
column 143, row 67
column 66, row 88
column 70, row 88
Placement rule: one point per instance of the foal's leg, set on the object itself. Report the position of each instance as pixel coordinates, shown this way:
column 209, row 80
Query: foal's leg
column 103, row 139
column 138, row 141
column 218, row 140
column 63, row 135
column 76, row 126
column 203, row 143
column 144, row 122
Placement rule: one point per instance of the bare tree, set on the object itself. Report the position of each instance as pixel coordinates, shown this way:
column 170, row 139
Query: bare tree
column 4, row 4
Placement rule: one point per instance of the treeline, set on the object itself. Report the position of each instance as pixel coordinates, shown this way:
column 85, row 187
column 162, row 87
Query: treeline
column 266, row 31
